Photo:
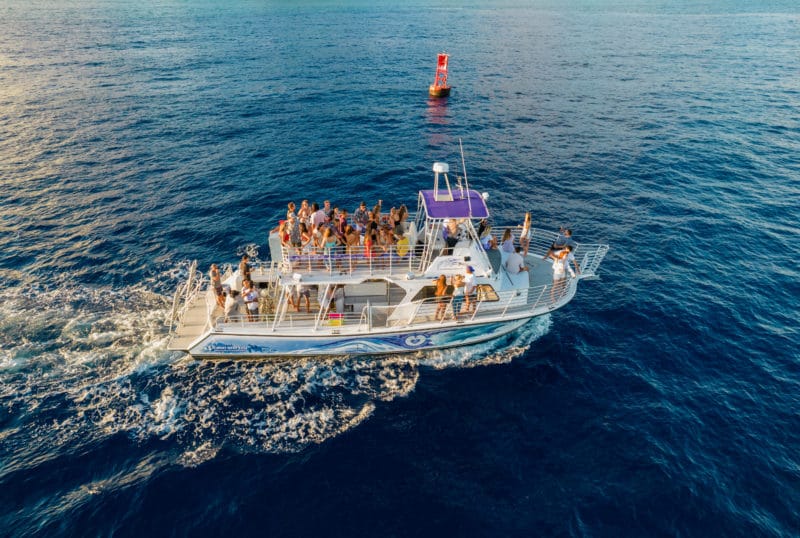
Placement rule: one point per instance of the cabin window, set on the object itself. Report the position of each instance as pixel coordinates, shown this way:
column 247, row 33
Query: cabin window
column 486, row 293
column 425, row 293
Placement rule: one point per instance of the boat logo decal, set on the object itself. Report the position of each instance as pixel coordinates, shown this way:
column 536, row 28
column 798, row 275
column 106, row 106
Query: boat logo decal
column 416, row 340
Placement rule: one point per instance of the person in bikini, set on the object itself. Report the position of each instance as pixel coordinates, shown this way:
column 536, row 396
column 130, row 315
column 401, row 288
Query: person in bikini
column 216, row 284
column 441, row 297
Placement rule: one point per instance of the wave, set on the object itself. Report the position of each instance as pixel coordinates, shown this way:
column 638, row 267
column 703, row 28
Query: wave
column 79, row 365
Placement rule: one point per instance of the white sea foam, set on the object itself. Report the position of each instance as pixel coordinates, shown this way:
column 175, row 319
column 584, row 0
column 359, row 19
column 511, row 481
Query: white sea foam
column 79, row 364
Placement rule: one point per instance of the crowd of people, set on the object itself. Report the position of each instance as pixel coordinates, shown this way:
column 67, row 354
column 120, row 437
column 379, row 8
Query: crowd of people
column 311, row 229
column 314, row 229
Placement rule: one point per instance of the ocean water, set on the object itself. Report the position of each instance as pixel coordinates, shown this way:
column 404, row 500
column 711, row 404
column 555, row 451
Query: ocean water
column 663, row 401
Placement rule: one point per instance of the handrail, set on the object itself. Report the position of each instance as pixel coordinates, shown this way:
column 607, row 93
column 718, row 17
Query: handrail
column 348, row 260
column 184, row 296
column 509, row 304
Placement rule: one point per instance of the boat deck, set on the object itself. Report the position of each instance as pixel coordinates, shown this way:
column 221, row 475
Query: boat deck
column 196, row 320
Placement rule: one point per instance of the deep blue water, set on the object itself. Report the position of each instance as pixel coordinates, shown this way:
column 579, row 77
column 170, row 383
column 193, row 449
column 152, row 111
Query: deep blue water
column 663, row 401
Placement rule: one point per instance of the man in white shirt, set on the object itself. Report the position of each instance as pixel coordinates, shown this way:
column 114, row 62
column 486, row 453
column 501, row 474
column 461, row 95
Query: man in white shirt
column 470, row 289
column 250, row 296
column 318, row 217
column 515, row 264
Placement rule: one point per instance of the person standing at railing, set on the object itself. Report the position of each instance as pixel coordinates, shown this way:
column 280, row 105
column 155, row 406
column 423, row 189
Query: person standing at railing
column 561, row 261
column 231, row 305
column 563, row 240
column 470, row 289
column 216, row 284
column 441, row 297
column 525, row 234
column 564, row 257
column 244, row 268
column 250, row 296
column 458, row 295
column 361, row 217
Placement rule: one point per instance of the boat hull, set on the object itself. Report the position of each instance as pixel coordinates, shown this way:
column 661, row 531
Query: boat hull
column 228, row 345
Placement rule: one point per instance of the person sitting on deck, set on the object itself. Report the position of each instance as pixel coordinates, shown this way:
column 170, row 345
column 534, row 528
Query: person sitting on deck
column 507, row 242
column 515, row 263
column 483, row 228
column 402, row 244
column 451, row 234
column 489, row 242
column 563, row 240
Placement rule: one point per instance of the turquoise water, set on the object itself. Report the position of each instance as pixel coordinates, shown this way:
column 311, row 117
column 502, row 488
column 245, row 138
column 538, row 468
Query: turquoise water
column 663, row 401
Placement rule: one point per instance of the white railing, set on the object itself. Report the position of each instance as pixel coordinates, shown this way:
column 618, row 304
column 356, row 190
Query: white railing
column 588, row 256
column 350, row 260
column 184, row 296
column 499, row 305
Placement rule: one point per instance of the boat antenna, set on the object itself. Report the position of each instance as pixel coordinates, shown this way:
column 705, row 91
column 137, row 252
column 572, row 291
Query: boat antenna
column 466, row 181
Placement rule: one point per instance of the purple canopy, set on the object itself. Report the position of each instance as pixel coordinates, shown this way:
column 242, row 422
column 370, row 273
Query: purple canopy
column 459, row 208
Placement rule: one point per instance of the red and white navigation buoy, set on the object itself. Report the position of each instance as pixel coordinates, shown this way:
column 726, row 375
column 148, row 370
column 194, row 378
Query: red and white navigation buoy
column 439, row 88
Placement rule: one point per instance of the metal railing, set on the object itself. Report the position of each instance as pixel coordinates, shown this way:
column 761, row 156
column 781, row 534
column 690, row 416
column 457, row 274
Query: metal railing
column 499, row 305
column 184, row 296
column 588, row 255
column 351, row 260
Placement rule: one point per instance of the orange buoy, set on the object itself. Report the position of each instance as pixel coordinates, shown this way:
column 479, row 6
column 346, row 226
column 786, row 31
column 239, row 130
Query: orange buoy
column 439, row 88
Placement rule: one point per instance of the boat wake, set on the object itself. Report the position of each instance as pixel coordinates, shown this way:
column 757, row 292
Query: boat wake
column 79, row 365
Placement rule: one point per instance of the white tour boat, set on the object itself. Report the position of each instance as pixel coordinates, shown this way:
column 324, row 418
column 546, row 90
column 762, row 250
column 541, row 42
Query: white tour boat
column 374, row 301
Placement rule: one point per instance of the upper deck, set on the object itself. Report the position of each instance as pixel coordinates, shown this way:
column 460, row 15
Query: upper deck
column 456, row 204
